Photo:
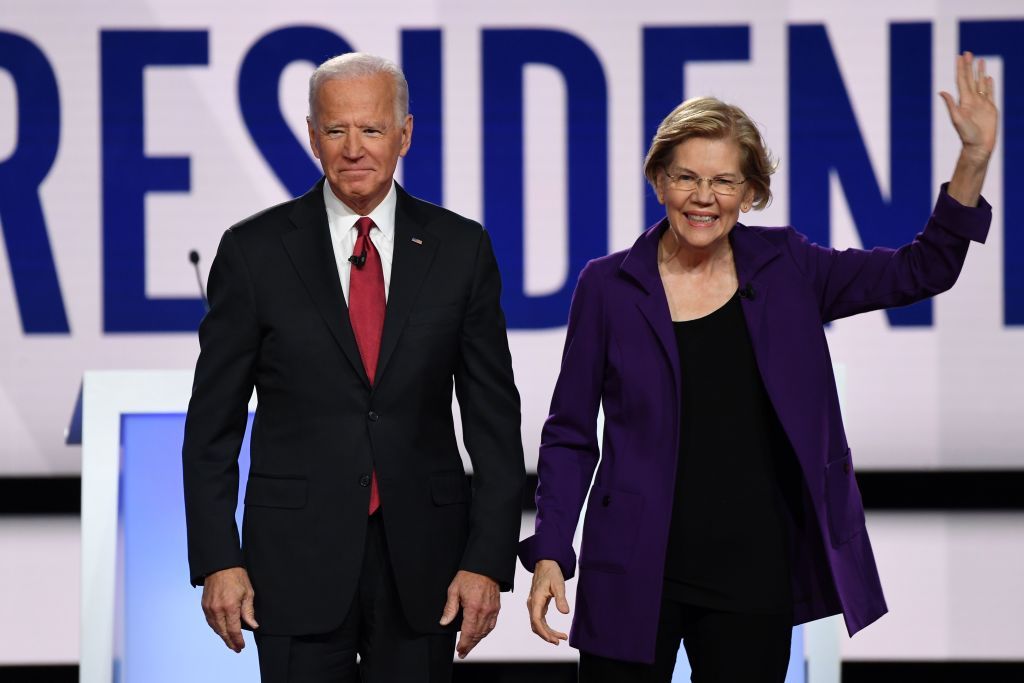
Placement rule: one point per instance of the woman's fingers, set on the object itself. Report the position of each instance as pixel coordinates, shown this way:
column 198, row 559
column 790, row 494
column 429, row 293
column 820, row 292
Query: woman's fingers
column 973, row 112
column 950, row 103
column 538, row 606
column 560, row 602
column 990, row 87
column 537, row 603
column 963, row 74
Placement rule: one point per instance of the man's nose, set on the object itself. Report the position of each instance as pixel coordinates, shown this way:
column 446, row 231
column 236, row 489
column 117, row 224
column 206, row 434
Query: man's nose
column 353, row 146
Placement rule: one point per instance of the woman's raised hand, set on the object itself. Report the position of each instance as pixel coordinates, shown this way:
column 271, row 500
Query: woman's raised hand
column 975, row 116
column 976, row 120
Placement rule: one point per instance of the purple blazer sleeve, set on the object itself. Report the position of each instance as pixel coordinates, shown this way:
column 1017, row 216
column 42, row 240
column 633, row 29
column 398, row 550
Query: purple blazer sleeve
column 853, row 281
column 569, row 448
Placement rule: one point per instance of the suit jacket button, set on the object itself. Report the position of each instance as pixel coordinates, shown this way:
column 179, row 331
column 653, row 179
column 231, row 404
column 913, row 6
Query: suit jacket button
column 606, row 501
column 364, row 480
column 373, row 416
column 846, row 467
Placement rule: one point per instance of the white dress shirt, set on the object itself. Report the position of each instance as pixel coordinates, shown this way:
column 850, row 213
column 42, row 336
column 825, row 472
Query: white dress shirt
column 342, row 222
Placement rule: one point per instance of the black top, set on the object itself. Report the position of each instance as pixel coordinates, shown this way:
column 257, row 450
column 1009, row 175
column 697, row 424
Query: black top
column 729, row 540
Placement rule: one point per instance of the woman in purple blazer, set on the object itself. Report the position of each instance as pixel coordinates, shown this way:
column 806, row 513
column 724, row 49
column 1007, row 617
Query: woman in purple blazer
column 724, row 508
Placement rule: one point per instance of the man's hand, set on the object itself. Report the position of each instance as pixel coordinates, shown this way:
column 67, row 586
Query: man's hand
column 227, row 600
column 548, row 583
column 480, row 600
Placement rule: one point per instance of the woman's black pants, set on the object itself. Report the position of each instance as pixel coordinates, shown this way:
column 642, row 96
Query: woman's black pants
column 723, row 647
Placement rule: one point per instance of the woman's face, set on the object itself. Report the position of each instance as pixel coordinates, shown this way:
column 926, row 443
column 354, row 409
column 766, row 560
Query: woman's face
column 701, row 218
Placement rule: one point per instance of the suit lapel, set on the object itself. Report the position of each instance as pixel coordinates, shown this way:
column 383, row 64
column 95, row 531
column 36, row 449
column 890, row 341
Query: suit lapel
column 751, row 253
column 411, row 261
column 641, row 264
column 309, row 247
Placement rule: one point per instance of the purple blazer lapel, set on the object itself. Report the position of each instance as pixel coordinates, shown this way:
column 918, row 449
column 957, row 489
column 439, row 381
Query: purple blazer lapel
column 641, row 265
column 751, row 253
column 776, row 327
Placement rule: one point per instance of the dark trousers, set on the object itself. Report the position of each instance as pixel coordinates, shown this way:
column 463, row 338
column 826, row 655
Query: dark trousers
column 721, row 646
column 375, row 629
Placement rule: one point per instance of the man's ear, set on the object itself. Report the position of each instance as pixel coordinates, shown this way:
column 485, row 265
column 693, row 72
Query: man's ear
column 314, row 146
column 406, row 135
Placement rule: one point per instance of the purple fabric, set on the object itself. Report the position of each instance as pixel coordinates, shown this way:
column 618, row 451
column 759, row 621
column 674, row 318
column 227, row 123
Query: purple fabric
column 620, row 352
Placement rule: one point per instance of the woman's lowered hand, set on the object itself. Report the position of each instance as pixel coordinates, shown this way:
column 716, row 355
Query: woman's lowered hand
column 548, row 583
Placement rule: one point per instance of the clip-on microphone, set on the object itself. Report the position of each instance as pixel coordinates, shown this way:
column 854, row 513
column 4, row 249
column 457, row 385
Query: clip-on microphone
column 358, row 261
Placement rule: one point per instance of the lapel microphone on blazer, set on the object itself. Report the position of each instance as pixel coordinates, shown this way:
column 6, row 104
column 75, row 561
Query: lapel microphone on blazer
column 747, row 292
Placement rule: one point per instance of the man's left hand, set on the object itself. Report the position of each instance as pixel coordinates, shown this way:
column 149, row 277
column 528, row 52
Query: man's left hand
column 479, row 597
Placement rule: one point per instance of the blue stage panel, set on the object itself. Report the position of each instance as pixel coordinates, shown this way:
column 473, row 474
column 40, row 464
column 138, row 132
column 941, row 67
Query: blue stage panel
column 165, row 639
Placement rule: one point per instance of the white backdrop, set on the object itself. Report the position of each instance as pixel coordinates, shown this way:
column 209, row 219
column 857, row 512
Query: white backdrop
column 948, row 394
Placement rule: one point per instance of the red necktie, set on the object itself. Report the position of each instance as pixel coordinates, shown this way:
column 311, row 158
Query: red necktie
column 366, row 311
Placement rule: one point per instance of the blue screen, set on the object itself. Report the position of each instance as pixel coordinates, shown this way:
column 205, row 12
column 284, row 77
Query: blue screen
column 165, row 636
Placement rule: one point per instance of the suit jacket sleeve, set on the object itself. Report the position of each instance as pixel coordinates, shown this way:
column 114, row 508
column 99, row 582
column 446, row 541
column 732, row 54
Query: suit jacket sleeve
column 489, row 403
column 853, row 281
column 569, row 448
column 229, row 342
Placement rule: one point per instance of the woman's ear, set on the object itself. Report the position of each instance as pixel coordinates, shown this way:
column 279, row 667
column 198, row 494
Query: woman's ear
column 659, row 187
column 748, row 201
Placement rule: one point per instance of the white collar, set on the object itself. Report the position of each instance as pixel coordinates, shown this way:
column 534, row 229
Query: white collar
column 383, row 215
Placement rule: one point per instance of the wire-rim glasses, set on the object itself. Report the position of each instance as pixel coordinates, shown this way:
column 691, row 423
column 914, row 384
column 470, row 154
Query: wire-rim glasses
column 687, row 182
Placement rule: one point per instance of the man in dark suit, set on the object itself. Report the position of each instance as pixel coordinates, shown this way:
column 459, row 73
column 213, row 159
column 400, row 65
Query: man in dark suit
column 353, row 310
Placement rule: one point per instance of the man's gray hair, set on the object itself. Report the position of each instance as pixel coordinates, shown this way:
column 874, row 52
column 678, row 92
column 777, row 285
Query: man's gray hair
column 360, row 65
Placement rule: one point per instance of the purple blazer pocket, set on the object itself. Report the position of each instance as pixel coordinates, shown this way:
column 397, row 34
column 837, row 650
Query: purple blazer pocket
column 845, row 507
column 610, row 529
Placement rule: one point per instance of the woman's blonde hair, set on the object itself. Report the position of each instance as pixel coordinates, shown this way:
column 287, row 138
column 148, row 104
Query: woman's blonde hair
column 708, row 117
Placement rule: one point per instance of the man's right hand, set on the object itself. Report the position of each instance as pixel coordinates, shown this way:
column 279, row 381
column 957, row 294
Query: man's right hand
column 548, row 583
column 227, row 600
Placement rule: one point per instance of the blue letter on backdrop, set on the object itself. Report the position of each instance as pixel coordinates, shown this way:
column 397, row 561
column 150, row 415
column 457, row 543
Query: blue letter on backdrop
column 1006, row 39
column 666, row 52
column 257, row 96
column 824, row 138
column 128, row 175
column 422, row 170
column 24, row 227
column 505, row 53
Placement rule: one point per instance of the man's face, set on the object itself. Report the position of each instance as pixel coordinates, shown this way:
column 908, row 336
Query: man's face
column 354, row 135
